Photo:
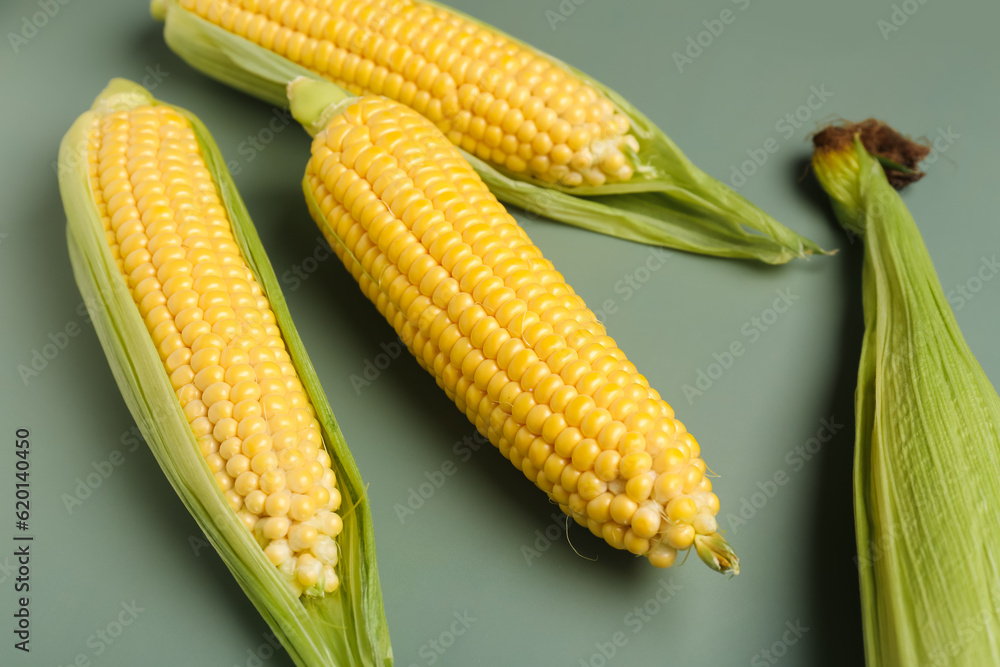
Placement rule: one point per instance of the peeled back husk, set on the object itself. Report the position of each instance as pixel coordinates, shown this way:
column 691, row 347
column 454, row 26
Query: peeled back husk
column 669, row 201
column 346, row 627
column 927, row 458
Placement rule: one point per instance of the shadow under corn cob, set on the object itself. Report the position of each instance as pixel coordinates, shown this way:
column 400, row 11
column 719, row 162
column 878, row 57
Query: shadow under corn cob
column 201, row 344
column 542, row 135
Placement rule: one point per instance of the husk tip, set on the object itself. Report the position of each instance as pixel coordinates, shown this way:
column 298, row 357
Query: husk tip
column 296, row 85
column 816, row 251
column 717, row 554
column 820, row 252
column 158, row 9
column 121, row 94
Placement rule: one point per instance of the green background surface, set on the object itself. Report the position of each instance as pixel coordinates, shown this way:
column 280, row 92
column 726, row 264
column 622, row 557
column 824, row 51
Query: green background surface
column 463, row 551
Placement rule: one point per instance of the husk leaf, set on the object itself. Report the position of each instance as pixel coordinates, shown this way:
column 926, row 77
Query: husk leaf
column 927, row 457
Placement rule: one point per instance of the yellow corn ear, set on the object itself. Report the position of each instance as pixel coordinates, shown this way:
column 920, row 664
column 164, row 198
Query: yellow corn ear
column 503, row 334
column 217, row 336
column 542, row 135
column 495, row 98
column 204, row 351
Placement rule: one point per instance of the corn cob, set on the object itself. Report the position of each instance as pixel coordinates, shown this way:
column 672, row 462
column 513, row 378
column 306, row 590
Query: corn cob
column 505, row 337
column 188, row 301
column 217, row 336
column 494, row 98
column 536, row 130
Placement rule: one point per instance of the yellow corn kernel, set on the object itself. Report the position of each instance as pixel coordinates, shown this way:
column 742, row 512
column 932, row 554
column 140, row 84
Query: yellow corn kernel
column 681, row 510
column 623, row 509
column 635, row 544
column 667, row 487
column 679, row 536
column 646, row 522
column 662, row 556
column 705, row 524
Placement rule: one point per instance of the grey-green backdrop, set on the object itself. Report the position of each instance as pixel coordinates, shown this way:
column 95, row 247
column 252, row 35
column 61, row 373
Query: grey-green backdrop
column 470, row 577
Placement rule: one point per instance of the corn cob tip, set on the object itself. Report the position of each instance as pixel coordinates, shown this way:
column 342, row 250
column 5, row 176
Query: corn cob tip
column 158, row 9
column 717, row 554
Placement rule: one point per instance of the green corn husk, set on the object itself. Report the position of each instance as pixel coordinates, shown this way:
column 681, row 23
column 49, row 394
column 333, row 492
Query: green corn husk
column 669, row 202
column 927, row 458
column 346, row 627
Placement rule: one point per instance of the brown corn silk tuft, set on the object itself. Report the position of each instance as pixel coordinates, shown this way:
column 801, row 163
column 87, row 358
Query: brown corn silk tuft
column 880, row 140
